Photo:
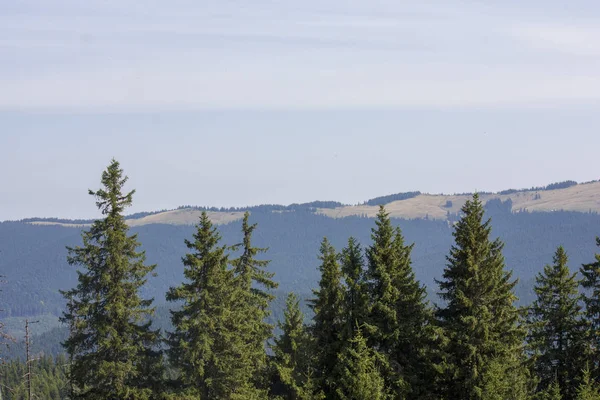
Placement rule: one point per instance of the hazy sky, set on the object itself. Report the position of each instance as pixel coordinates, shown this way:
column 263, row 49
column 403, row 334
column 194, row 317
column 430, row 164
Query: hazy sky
column 245, row 102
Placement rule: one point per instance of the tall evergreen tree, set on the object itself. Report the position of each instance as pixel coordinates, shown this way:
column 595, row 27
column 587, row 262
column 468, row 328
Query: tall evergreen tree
column 398, row 325
column 358, row 377
column 591, row 282
column 251, row 303
column 588, row 389
column 328, row 319
column 356, row 296
column 479, row 318
column 293, row 356
column 556, row 333
column 205, row 345
column 112, row 347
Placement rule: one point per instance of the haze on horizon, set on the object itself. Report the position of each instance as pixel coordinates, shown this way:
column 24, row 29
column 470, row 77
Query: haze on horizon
column 231, row 103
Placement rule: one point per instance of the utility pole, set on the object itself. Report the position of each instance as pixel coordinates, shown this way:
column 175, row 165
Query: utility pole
column 28, row 358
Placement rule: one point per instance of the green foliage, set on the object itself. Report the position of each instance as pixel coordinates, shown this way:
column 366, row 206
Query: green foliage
column 329, row 318
column 357, row 375
column 293, row 357
column 556, row 335
column 251, row 304
column 32, row 256
column 374, row 335
column 502, row 383
column 356, row 296
column 591, row 282
column 111, row 346
column 398, row 322
column 552, row 392
column 5, row 338
column 588, row 389
column 479, row 318
column 204, row 346
column 383, row 200
column 49, row 379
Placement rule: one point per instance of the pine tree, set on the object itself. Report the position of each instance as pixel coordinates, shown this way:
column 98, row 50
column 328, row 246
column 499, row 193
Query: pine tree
column 398, row 324
column 49, row 379
column 479, row 319
column 206, row 345
column 251, row 303
column 501, row 383
column 5, row 338
column 356, row 296
column 556, row 333
column 591, row 282
column 588, row 389
column 113, row 348
column 292, row 358
column 552, row 392
column 357, row 375
column 328, row 319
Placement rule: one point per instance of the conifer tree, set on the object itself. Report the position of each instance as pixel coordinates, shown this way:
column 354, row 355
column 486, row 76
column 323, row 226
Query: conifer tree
column 252, row 302
column 479, row 318
column 5, row 338
column 500, row 383
column 112, row 347
column 398, row 324
column 588, row 389
column 292, row 358
column 552, row 392
column 356, row 296
column 205, row 345
column 328, row 319
column 591, row 282
column 357, row 375
column 556, row 333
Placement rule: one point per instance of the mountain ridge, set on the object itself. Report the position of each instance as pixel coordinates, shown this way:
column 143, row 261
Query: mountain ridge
column 560, row 196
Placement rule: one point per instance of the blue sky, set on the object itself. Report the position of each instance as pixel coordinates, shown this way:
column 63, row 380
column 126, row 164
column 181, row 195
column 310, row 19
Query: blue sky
column 235, row 103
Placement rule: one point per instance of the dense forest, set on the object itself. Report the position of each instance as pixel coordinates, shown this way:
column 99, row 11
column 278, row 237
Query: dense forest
column 369, row 329
column 32, row 257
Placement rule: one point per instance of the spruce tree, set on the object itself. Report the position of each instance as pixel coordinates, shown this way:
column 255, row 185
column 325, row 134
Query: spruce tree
column 356, row 296
column 398, row 324
column 357, row 374
column 112, row 346
column 5, row 338
column 588, row 389
column 205, row 346
column 328, row 319
column 251, row 303
column 591, row 297
column 293, row 356
column 479, row 318
column 552, row 392
column 556, row 333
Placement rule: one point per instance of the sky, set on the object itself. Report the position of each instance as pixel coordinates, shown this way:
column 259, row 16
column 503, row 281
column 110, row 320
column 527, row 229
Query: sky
column 233, row 103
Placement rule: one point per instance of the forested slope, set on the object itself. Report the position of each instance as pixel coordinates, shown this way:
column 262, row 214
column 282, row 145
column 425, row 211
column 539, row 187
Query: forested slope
column 33, row 257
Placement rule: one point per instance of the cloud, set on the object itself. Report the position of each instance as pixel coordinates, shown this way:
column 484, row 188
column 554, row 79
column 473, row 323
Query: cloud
column 568, row 39
column 184, row 54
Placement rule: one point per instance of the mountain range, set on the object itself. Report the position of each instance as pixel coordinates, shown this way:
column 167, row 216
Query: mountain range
column 531, row 222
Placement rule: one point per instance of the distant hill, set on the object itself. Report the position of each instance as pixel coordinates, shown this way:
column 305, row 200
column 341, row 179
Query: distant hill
column 560, row 196
column 33, row 254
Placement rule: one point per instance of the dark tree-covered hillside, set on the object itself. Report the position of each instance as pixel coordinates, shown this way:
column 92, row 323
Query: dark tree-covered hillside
column 34, row 260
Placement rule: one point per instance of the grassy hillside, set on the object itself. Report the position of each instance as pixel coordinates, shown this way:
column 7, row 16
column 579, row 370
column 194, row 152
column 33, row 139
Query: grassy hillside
column 583, row 197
